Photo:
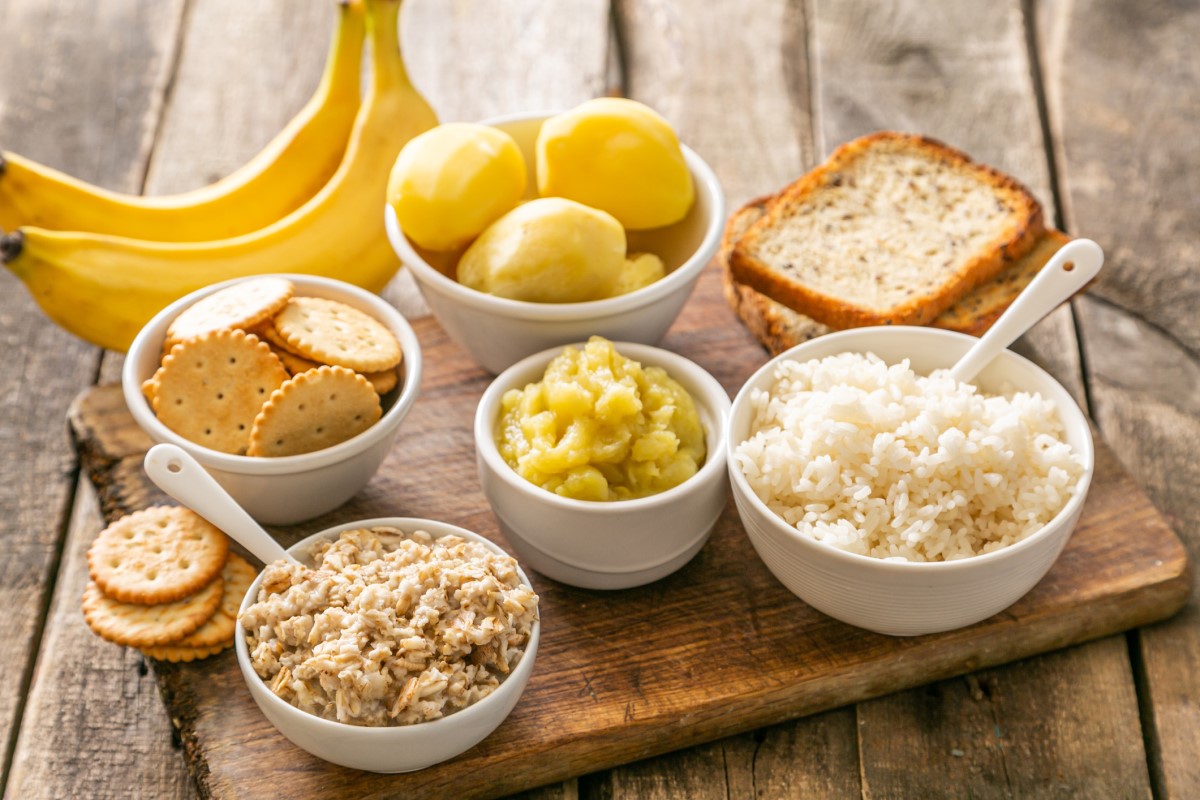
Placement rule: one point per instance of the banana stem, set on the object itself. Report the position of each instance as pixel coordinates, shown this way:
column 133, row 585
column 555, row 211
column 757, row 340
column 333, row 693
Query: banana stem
column 11, row 245
column 383, row 24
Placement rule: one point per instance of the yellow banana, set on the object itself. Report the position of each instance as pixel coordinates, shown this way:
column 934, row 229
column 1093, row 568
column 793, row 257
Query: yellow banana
column 105, row 288
column 290, row 169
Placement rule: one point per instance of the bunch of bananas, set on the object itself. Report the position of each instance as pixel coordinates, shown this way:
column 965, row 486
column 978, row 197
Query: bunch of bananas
column 101, row 264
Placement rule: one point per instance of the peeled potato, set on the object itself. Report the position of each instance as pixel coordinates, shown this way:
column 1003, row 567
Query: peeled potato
column 451, row 182
column 548, row 250
column 619, row 156
column 639, row 270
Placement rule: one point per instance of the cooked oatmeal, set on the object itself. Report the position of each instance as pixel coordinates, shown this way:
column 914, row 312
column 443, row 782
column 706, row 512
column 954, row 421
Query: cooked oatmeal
column 390, row 628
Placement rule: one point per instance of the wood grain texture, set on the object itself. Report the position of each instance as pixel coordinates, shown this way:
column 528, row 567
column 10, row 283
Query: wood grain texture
column 585, row 709
column 987, row 739
column 753, row 140
column 1123, row 89
column 95, row 725
column 244, row 69
column 92, row 111
column 1144, row 390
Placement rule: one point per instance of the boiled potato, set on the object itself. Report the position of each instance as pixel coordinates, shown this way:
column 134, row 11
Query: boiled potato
column 619, row 156
column 548, row 250
column 641, row 269
column 451, row 182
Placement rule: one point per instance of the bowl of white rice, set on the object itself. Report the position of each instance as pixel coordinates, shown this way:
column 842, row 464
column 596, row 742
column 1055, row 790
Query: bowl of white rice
column 888, row 496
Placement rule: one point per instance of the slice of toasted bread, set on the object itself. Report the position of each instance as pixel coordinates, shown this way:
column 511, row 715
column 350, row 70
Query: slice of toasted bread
column 891, row 230
column 780, row 328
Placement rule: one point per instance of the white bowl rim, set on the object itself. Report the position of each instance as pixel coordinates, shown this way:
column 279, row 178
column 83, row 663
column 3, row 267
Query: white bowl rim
column 714, row 400
column 524, row 309
column 250, row 465
column 333, row 727
column 1066, row 412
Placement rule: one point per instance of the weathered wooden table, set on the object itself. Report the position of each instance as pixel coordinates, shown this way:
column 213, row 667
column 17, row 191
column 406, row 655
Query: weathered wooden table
column 1095, row 105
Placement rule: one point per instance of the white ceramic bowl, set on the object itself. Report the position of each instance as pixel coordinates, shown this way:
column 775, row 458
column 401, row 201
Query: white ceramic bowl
column 606, row 545
column 393, row 749
column 282, row 491
column 498, row 332
column 903, row 598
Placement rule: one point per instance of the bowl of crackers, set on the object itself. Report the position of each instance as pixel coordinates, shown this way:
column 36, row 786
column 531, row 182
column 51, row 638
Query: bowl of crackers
column 288, row 389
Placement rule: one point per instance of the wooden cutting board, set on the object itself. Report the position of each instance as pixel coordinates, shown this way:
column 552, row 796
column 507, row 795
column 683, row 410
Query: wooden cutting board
column 718, row 648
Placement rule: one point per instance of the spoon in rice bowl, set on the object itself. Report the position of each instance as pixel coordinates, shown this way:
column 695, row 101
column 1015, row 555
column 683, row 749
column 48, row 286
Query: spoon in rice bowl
column 1076, row 263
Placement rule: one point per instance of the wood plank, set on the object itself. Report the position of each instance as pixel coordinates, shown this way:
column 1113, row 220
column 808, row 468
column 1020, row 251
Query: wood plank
column 584, row 709
column 754, row 140
column 1123, row 90
column 113, row 735
column 1143, row 386
column 985, row 737
column 961, row 72
column 91, row 111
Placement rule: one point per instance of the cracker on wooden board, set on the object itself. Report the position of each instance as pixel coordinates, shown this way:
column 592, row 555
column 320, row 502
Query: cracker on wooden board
column 335, row 333
column 237, row 574
column 156, row 555
column 242, row 305
column 210, row 389
column 176, row 653
column 314, row 410
column 135, row 625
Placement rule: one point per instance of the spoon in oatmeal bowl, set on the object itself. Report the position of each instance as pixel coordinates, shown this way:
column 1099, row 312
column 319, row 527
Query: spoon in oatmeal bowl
column 406, row 642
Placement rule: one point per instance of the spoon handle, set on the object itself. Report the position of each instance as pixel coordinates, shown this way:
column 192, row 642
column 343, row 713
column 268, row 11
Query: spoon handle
column 1075, row 263
column 178, row 474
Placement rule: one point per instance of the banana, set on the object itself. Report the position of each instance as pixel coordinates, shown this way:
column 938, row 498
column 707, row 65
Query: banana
column 105, row 288
column 290, row 169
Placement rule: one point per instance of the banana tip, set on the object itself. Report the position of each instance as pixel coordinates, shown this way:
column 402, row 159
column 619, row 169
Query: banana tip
column 3, row 162
column 11, row 245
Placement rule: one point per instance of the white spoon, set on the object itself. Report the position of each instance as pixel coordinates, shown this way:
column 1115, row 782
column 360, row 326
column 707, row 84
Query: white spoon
column 1076, row 263
column 178, row 474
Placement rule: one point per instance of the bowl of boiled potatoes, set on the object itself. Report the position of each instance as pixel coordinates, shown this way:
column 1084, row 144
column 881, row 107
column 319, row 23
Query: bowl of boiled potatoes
column 535, row 230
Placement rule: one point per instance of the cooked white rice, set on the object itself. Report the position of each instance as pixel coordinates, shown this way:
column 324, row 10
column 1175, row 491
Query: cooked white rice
column 880, row 461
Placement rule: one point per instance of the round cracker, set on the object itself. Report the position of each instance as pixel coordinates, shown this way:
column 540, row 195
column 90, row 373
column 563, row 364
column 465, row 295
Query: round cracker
column 210, row 389
column 237, row 574
column 157, row 555
column 334, row 333
column 293, row 363
column 383, row 382
column 136, row 625
column 178, row 653
column 243, row 305
column 314, row 410
column 268, row 334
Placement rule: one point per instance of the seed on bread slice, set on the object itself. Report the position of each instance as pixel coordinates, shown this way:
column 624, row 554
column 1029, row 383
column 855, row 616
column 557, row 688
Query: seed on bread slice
column 780, row 328
column 891, row 230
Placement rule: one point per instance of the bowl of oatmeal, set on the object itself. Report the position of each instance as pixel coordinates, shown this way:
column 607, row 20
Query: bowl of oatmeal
column 396, row 644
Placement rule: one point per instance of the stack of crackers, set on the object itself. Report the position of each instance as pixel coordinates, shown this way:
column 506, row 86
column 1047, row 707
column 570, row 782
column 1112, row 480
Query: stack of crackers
column 165, row 582
column 254, row 370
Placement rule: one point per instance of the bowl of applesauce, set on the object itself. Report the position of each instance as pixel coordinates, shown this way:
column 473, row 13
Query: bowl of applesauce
column 632, row 490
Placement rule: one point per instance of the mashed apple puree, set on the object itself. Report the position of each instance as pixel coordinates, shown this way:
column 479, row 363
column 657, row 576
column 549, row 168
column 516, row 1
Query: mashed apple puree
column 600, row 426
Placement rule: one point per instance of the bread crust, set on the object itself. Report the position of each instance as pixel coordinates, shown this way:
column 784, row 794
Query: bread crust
column 780, row 328
column 1017, row 239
